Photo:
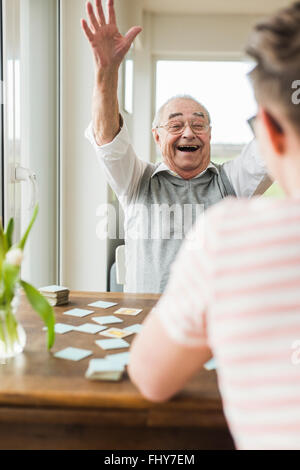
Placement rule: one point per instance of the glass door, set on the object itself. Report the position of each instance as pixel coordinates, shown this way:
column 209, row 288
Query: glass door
column 31, row 130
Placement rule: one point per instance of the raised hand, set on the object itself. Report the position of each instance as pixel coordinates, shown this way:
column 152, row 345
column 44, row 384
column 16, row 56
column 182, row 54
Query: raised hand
column 108, row 45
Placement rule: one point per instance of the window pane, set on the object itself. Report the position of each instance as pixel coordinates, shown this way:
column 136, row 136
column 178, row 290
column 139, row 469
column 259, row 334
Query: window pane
column 222, row 87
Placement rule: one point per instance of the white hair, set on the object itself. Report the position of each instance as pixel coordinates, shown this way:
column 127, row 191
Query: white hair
column 158, row 115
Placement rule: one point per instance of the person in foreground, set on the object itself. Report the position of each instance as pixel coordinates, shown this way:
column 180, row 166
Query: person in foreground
column 160, row 202
column 234, row 290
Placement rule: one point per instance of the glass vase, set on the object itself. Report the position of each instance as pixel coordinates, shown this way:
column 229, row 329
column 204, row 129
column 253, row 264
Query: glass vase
column 12, row 334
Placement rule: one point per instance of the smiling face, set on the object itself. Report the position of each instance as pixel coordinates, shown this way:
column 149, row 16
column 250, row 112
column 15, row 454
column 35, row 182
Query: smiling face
column 186, row 154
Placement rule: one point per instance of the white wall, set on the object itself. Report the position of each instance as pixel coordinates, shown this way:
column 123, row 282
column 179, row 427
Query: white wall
column 143, row 92
column 83, row 188
column 198, row 35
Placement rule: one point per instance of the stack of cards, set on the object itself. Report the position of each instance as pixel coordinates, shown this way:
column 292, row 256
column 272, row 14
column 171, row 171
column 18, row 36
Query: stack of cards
column 110, row 368
column 56, row 295
column 103, row 369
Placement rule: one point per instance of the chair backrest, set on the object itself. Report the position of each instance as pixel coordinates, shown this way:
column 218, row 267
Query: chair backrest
column 120, row 264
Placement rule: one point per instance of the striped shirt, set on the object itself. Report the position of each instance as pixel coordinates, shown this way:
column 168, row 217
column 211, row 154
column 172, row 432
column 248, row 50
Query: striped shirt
column 235, row 286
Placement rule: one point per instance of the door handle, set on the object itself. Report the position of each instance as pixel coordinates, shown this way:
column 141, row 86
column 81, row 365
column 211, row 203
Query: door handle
column 25, row 174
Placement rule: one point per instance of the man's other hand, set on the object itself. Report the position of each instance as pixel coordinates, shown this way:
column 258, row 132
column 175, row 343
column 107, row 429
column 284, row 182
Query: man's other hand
column 108, row 45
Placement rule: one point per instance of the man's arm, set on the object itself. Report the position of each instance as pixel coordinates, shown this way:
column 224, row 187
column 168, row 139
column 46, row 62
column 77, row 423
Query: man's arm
column 122, row 167
column 109, row 49
column 248, row 173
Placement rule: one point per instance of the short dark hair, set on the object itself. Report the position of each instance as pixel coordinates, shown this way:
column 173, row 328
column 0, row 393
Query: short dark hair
column 274, row 44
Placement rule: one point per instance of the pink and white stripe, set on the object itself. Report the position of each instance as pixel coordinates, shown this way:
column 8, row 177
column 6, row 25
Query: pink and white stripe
column 237, row 288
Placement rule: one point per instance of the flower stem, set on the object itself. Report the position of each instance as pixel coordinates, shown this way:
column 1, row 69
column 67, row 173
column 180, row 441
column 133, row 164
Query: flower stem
column 8, row 328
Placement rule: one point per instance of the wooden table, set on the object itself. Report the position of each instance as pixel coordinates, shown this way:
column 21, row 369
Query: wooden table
column 47, row 403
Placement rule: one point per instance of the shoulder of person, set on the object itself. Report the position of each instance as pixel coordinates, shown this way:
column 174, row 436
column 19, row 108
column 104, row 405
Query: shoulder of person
column 231, row 208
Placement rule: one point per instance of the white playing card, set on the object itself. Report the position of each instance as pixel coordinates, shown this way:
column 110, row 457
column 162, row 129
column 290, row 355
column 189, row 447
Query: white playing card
column 115, row 333
column 78, row 312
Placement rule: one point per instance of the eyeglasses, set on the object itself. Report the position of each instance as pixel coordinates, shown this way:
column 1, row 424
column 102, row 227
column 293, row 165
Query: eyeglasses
column 177, row 127
column 251, row 123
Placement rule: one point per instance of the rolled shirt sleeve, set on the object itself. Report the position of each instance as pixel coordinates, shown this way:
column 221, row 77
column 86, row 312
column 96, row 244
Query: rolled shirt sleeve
column 122, row 168
column 248, row 173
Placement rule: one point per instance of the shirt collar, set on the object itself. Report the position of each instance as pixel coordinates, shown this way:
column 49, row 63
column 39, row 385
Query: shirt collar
column 164, row 167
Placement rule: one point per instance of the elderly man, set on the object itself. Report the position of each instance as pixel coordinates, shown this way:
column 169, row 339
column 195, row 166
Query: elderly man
column 161, row 201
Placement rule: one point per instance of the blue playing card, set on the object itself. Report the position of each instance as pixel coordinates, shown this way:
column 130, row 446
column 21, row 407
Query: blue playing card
column 89, row 328
column 61, row 328
column 102, row 304
column 121, row 359
column 112, row 343
column 210, row 365
column 73, row 354
column 134, row 328
column 78, row 312
column 101, row 369
column 106, row 320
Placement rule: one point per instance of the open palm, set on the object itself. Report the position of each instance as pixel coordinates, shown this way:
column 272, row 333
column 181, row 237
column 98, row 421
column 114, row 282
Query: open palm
column 108, row 44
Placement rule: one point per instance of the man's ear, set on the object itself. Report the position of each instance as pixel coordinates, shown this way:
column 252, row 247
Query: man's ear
column 275, row 131
column 156, row 136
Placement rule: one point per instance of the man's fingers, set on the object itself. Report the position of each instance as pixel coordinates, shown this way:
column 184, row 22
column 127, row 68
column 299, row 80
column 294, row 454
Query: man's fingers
column 132, row 34
column 92, row 17
column 87, row 30
column 100, row 12
column 111, row 12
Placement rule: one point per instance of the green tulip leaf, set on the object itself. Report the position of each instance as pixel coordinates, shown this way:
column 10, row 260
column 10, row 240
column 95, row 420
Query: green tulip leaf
column 43, row 308
column 9, row 233
column 10, row 277
column 21, row 244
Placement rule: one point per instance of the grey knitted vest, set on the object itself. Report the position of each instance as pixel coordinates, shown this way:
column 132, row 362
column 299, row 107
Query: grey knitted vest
column 164, row 210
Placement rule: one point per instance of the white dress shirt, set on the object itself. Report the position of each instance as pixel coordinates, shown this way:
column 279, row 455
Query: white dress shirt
column 247, row 173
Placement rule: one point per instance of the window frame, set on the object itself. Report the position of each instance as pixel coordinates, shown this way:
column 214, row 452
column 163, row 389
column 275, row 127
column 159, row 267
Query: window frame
column 38, row 148
column 209, row 57
column 2, row 201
